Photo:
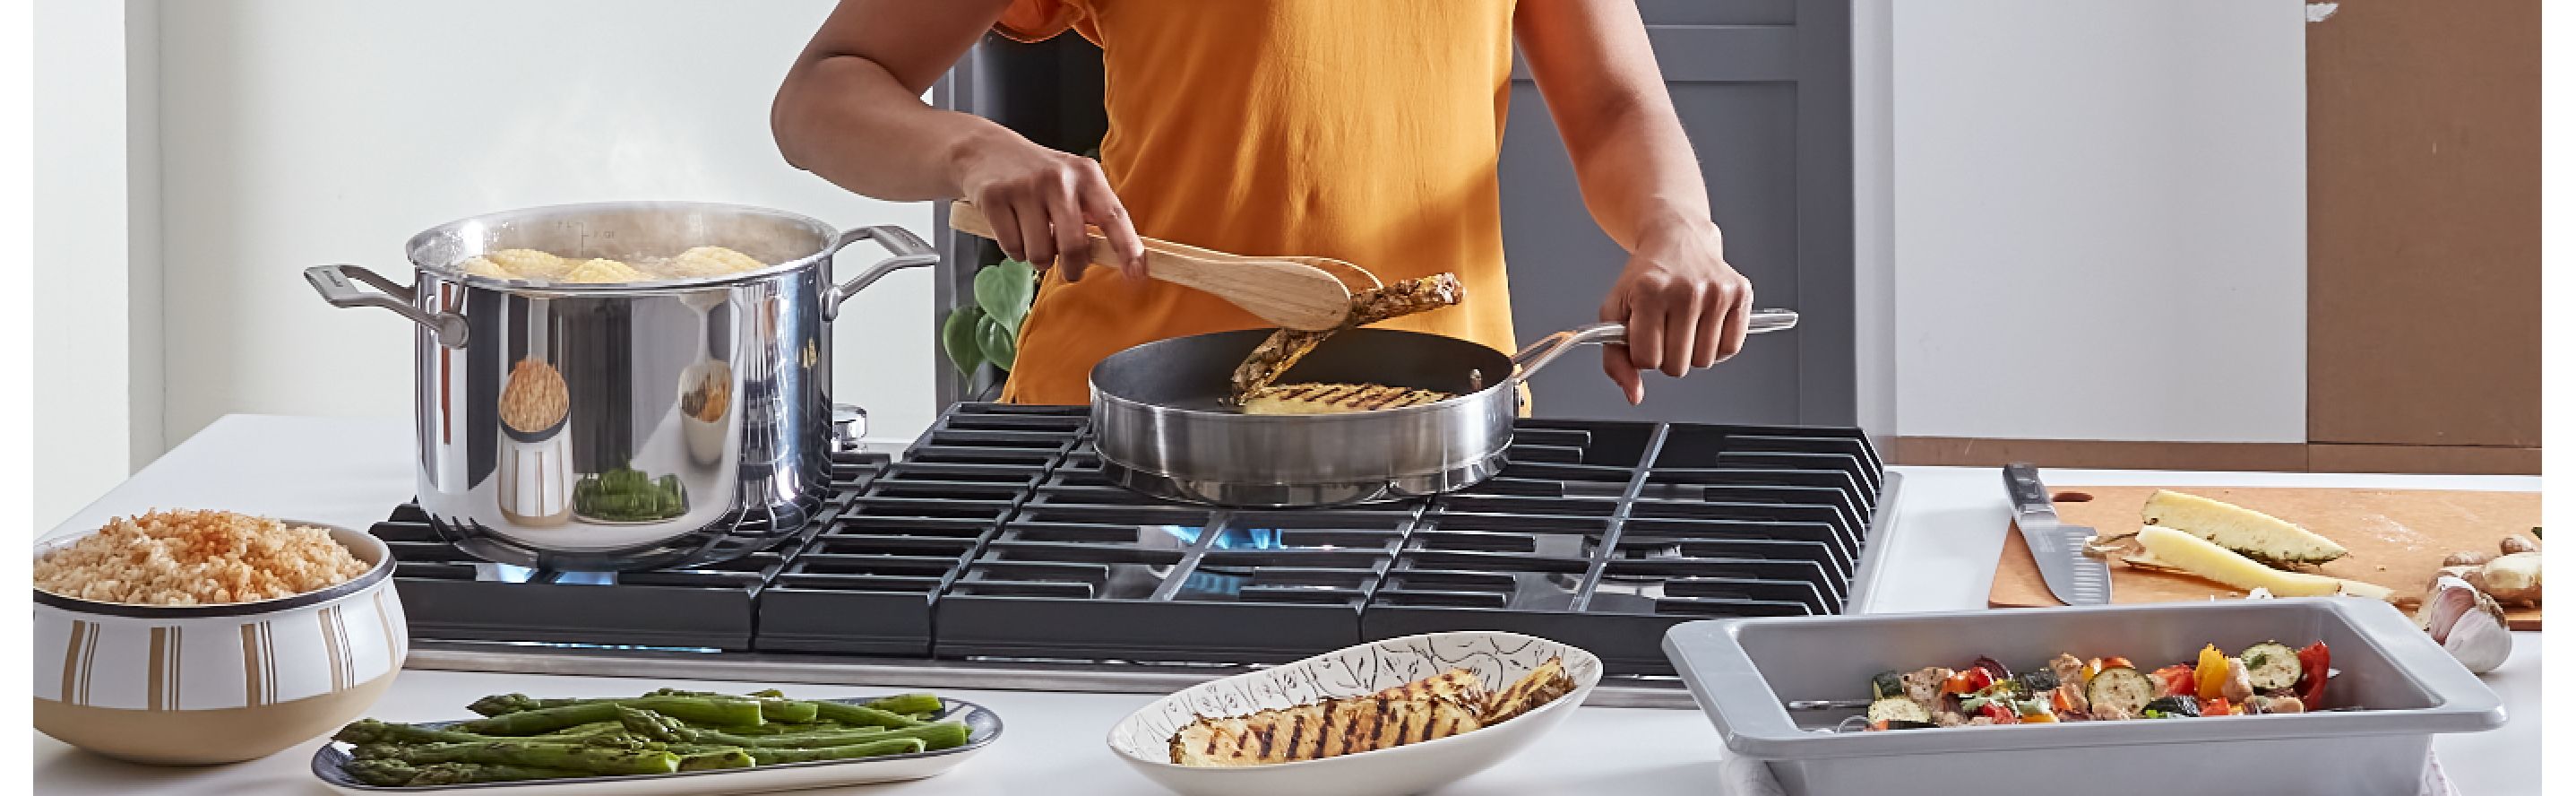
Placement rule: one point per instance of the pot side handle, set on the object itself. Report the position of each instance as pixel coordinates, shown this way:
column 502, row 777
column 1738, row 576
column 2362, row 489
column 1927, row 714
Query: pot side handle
column 908, row 249
column 335, row 285
column 1548, row 348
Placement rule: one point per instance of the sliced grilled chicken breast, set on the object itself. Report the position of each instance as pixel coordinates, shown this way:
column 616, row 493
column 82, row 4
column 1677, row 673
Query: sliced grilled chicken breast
column 1460, row 685
column 1440, row 706
column 1541, row 686
column 1331, row 399
column 1283, row 348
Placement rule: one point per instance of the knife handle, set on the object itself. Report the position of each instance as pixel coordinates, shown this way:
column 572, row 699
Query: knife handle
column 2021, row 482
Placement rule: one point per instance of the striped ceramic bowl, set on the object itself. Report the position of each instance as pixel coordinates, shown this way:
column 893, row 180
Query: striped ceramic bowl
column 217, row 683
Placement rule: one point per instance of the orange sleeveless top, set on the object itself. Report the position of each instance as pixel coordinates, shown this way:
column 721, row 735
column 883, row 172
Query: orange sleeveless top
column 1366, row 130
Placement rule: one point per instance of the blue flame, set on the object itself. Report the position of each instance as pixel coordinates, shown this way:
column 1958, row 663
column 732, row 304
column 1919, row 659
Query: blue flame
column 1231, row 539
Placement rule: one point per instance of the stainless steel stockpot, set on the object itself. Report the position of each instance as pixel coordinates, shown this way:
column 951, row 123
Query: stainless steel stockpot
column 1163, row 427
column 541, row 406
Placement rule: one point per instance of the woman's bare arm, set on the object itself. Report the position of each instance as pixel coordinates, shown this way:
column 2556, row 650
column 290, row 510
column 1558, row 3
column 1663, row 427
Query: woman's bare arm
column 850, row 111
column 1685, row 307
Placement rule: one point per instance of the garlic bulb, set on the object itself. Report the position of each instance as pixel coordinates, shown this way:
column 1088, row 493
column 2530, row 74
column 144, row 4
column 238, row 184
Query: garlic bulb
column 2480, row 644
column 2468, row 623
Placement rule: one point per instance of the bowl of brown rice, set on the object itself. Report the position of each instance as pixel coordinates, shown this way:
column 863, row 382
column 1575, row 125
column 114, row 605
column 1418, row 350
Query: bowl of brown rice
column 192, row 637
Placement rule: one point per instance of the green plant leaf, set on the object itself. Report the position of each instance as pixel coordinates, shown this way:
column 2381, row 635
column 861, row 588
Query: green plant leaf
column 998, row 344
column 957, row 337
column 1004, row 291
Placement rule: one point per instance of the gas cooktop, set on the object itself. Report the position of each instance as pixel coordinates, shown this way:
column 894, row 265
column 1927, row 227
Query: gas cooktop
column 993, row 553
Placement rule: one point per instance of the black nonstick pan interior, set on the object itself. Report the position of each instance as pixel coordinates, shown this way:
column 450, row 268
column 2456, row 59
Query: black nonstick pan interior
column 1195, row 372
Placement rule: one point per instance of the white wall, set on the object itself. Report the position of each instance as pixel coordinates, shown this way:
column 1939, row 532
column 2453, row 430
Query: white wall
column 1874, row 329
column 97, row 400
column 306, row 132
column 2100, row 219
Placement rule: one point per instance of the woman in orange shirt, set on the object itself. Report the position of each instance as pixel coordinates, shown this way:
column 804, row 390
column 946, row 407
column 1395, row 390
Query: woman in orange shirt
column 1365, row 130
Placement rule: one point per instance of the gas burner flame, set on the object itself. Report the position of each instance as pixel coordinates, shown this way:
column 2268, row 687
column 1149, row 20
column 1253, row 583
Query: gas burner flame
column 1231, row 538
column 508, row 573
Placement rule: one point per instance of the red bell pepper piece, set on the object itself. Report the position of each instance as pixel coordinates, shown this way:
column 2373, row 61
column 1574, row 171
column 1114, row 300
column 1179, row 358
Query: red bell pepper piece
column 2314, row 665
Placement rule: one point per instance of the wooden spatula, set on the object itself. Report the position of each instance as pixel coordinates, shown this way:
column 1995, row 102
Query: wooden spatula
column 1292, row 294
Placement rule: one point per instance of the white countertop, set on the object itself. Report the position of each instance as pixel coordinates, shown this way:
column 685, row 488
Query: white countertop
column 352, row 471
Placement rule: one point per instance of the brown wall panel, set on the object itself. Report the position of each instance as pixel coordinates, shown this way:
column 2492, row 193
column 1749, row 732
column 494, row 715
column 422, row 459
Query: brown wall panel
column 2469, row 460
column 2424, row 223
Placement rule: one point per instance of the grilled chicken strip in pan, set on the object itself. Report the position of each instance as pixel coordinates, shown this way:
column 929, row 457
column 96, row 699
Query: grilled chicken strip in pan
column 1284, row 347
column 1327, row 399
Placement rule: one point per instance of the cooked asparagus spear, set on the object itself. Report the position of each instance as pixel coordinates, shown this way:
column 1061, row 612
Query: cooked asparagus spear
column 717, row 711
column 573, row 756
column 381, row 773
column 580, row 731
column 716, row 759
column 469, row 773
column 908, row 704
column 942, row 735
column 774, row 705
column 371, row 731
column 652, row 725
column 791, row 741
column 786, row 728
column 498, row 704
column 889, row 746
column 863, row 715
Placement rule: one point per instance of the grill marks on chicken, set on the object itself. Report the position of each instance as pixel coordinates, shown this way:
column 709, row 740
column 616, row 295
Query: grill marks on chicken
column 1543, row 685
column 1327, row 399
column 1275, row 355
column 1452, row 702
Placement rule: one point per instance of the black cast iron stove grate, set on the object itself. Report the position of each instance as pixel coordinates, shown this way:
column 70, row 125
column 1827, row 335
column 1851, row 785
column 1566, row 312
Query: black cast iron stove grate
column 994, row 537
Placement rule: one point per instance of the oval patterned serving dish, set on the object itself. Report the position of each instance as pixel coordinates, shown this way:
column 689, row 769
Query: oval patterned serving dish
column 200, row 684
column 1498, row 659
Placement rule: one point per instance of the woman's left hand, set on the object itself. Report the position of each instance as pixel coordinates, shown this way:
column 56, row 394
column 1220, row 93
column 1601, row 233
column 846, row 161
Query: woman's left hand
column 1684, row 306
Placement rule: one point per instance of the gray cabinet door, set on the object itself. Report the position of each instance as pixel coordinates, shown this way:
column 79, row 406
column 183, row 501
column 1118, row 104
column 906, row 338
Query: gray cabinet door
column 1763, row 90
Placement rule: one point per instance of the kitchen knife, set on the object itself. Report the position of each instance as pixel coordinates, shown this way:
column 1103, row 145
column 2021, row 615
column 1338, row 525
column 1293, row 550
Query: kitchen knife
column 2075, row 578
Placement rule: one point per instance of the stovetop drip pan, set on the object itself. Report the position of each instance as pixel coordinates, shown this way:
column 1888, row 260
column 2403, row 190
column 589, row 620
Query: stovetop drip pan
column 995, row 538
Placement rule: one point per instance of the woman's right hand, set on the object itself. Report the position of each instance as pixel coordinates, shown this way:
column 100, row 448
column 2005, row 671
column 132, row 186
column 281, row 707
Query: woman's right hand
column 1042, row 201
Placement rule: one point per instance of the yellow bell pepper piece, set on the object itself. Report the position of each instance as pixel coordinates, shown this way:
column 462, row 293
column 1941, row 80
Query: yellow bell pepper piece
column 2211, row 672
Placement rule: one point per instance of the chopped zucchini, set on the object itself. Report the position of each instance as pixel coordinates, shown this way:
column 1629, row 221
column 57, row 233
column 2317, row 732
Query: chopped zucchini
column 2175, row 706
column 2271, row 665
column 1887, row 684
column 2119, row 689
column 1896, row 708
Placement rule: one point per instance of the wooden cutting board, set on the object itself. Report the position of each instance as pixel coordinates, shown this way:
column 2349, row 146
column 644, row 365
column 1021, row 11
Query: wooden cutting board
column 2397, row 538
